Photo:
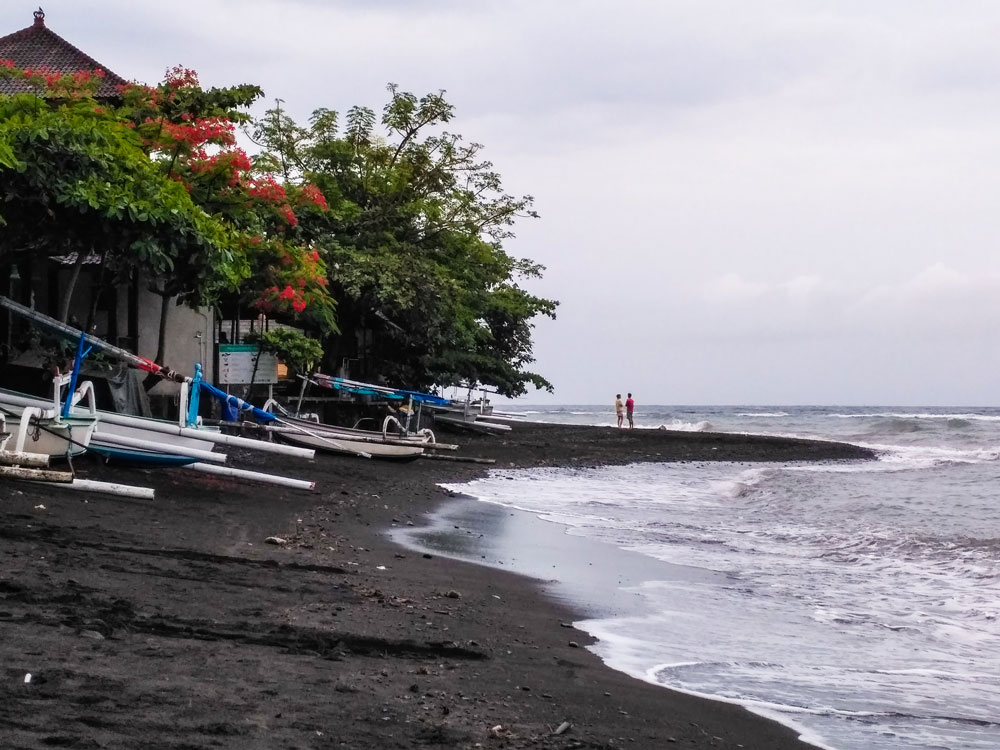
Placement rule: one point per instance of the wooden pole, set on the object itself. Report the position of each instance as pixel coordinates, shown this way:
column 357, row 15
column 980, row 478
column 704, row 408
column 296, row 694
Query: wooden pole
column 32, row 460
column 460, row 459
column 38, row 475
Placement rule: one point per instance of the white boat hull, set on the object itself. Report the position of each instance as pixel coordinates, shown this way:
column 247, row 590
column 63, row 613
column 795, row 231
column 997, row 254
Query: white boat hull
column 471, row 424
column 58, row 438
column 366, row 436
column 330, row 442
column 141, row 433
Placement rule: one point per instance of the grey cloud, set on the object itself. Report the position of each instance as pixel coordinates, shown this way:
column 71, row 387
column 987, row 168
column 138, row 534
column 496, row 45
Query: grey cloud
column 669, row 144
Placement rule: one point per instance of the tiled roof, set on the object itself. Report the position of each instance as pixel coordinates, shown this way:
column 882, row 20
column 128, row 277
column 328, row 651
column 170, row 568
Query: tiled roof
column 38, row 47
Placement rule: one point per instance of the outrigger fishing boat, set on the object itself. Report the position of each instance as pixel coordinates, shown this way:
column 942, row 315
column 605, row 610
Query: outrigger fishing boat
column 48, row 428
column 336, row 442
column 465, row 418
column 469, row 415
column 395, row 442
column 331, row 439
column 52, row 435
column 9, row 457
column 469, row 422
column 152, row 442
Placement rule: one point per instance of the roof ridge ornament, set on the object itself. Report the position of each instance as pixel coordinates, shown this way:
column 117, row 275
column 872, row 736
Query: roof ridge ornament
column 39, row 16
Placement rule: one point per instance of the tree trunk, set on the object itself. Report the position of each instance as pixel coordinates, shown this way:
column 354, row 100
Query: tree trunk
column 253, row 374
column 96, row 299
column 68, row 294
column 161, row 345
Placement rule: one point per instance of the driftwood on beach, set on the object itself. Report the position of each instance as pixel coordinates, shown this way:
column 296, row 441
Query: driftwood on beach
column 32, row 460
column 41, row 475
column 459, row 459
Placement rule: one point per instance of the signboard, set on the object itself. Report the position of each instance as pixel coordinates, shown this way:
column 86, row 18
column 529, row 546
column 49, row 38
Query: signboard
column 236, row 362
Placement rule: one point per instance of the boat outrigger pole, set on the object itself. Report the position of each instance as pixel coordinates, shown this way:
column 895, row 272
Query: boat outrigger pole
column 75, row 334
column 196, row 383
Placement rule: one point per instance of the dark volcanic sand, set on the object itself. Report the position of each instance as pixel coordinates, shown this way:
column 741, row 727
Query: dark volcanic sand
column 172, row 624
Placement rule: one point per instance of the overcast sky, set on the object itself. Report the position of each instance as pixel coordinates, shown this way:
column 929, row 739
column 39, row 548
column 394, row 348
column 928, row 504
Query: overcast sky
column 742, row 202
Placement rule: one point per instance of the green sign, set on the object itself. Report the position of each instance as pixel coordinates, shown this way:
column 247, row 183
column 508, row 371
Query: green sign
column 236, row 365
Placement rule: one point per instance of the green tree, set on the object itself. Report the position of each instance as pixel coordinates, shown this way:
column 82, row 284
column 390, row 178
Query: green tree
column 300, row 352
column 190, row 131
column 154, row 182
column 75, row 181
column 414, row 243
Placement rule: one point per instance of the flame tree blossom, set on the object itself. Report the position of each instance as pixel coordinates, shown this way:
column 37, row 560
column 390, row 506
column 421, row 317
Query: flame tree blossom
column 184, row 136
column 191, row 133
column 76, row 180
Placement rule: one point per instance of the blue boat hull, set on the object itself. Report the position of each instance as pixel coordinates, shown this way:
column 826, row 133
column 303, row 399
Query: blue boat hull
column 139, row 457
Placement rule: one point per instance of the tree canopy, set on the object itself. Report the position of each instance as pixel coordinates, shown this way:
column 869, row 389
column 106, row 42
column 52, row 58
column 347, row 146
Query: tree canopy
column 154, row 181
column 383, row 235
column 75, row 180
column 414, row 243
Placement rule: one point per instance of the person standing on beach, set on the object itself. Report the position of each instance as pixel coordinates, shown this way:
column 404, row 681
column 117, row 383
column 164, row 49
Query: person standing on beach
column 629, row 408
column 619, row 408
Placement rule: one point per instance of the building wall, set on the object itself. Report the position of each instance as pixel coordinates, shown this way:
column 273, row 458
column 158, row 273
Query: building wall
column 190, row 338
column 190, row 333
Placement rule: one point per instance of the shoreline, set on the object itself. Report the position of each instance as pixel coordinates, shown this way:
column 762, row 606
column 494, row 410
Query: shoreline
column 561, row 564
column 173, row 623
column 596, row 594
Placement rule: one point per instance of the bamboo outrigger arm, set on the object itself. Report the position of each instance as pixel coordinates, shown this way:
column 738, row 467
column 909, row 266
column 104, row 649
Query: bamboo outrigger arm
column 69, row 331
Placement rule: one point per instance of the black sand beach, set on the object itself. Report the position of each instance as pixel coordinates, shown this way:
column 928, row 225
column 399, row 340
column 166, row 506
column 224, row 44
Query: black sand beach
column 173, row 624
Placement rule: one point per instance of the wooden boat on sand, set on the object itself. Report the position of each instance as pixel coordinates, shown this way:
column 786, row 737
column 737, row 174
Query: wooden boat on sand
column 42, row 428
column 384, row 445
column 331, row 442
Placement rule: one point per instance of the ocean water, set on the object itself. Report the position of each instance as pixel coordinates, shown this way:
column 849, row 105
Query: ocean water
column 858, row 602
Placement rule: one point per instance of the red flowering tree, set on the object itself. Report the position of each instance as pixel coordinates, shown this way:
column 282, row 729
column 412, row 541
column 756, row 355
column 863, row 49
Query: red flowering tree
column 156, row 183
column 191, row 132
column 292, row 284
column 75, row 181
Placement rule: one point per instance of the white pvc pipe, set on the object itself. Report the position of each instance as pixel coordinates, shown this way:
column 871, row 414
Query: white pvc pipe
column 16, row 400
column 182, row 407
column 85, row 389
column 216, row 437
column 31, row 460
column 256, row 476
column 51, row 406
column 108, row 488
column 150, row 445
column 168, row 428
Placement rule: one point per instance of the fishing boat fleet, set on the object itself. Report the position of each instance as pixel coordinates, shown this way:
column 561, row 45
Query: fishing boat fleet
column 36, row 431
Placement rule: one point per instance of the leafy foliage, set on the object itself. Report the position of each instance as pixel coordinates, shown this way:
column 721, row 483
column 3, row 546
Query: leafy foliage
column 156, row 182
column 297, row 350
column 74, row 178
column 191, row 133
column 414, row 243
column 400, row 221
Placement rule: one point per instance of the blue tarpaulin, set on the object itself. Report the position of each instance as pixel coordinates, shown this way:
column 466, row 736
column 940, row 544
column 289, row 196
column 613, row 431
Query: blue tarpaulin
column 368, row 389
column 234, row 402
